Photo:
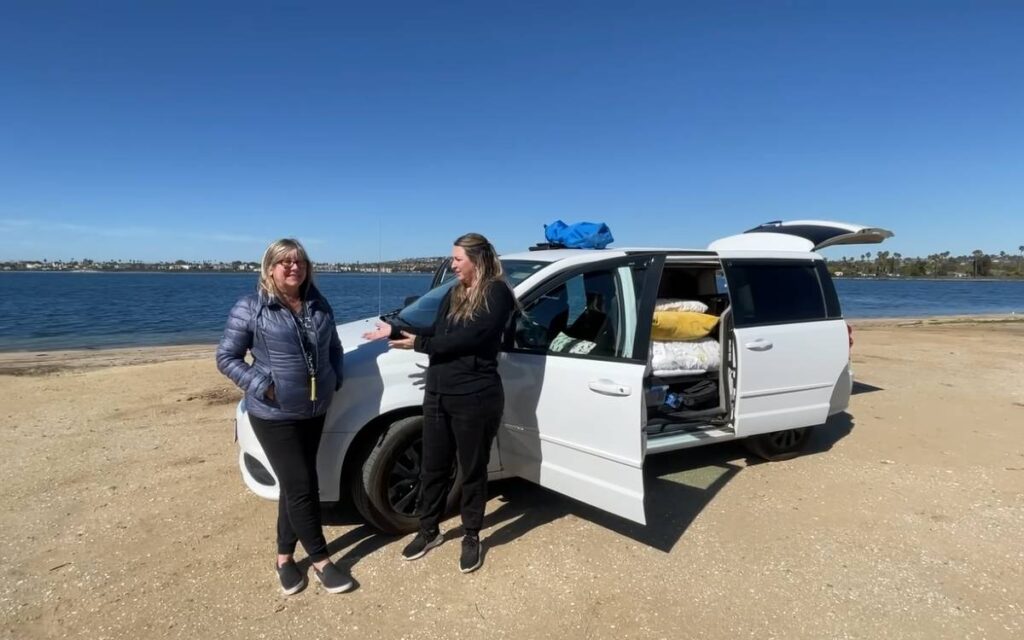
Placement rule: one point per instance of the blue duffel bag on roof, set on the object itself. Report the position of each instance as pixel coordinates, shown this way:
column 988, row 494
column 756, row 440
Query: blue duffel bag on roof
column 581, row 235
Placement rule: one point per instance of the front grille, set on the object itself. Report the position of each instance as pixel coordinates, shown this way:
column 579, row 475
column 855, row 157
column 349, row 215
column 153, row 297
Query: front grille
column 258, row 472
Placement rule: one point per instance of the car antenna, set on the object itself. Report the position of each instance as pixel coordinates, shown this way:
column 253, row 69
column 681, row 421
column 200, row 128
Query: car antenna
column 380, row 275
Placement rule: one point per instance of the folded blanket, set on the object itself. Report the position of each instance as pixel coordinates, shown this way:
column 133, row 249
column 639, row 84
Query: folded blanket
column 674, row 358
column 682, row 325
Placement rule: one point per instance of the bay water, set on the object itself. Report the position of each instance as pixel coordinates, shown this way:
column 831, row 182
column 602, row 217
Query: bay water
column 60, row 310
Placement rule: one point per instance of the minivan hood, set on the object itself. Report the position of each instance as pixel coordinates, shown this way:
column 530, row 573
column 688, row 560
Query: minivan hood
column 351, row 333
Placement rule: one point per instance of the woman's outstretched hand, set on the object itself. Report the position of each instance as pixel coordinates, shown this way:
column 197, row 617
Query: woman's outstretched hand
column 381, row 331
column 407, row 341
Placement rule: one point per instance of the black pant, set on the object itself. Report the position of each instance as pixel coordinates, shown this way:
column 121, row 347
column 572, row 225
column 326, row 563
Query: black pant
column 291, row 447
column 458, row 427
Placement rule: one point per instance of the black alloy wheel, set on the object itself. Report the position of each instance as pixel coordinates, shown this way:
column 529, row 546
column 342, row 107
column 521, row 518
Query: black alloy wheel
column 778, row 445
column 391, row 478
column 403, row 483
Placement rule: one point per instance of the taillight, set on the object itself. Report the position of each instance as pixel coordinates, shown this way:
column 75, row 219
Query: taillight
column 849, row 332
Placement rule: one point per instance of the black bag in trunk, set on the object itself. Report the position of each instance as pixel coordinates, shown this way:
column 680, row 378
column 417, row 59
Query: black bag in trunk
column 701, row 395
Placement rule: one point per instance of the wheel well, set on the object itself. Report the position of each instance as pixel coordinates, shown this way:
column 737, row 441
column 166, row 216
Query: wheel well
column 371, row 433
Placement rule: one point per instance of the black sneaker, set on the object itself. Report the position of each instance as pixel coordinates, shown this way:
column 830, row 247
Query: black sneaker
column 333, row 579
column 472, row 556
column 292, row 580
column 421, row 544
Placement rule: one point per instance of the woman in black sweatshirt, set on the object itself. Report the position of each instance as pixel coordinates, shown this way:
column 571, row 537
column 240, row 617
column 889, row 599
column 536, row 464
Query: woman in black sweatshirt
column 464, row 399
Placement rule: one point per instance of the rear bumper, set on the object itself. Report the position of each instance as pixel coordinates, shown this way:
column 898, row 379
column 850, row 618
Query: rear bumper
column 840, row 400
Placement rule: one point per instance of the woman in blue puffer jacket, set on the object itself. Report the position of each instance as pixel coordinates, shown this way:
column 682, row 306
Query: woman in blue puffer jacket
column 289, row 329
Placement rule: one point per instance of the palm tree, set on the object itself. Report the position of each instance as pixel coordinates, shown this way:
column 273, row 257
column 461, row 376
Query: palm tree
column 943, row 263
column 881, row 259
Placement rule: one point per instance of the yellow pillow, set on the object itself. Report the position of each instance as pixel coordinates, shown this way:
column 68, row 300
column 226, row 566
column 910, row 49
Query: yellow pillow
column 682, row 325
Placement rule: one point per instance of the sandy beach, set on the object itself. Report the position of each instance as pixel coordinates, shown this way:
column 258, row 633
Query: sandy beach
column 124, row 517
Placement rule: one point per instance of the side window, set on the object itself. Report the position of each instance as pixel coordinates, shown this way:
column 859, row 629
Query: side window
column 582, row 316
column 774, row 292
column 829, row 289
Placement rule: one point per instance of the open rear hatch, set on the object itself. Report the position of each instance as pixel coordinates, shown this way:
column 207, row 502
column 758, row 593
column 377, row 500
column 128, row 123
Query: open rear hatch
column 800, row 235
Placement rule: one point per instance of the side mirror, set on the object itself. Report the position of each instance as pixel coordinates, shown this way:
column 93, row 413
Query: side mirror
column 409, row 300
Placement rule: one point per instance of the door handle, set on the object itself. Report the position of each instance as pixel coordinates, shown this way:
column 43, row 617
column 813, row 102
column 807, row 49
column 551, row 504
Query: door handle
column 759, row 344
column 609, row 388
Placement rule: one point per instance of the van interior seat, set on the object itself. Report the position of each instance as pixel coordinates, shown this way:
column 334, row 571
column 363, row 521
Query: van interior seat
column 594, row 325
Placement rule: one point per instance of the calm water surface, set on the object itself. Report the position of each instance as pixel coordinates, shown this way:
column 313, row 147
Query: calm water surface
column 90, row 310
column 87, row 310
column 868, row 298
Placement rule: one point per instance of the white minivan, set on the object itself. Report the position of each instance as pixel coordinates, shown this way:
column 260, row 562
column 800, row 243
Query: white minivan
column 588, row 394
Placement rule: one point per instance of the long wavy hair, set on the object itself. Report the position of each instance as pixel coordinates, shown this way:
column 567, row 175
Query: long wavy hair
column 277, row 250
column 466, row 302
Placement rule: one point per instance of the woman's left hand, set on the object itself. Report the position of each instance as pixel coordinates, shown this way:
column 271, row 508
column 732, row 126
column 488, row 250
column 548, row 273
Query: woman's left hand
column 381, row 331
column 407, row 341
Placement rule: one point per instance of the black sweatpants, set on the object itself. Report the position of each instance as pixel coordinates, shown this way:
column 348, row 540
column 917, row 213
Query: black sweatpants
column 458, row 427
column 291, row 447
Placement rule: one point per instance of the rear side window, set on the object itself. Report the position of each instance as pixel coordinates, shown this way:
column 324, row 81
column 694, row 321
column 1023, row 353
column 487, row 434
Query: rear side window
column 775, row 292
column 829, row 289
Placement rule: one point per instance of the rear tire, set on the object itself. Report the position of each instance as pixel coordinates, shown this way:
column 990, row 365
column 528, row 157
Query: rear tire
column 778, row 445
column 390, row 480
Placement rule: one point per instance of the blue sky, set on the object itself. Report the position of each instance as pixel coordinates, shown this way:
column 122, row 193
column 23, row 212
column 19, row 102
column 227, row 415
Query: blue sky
column 165, row 130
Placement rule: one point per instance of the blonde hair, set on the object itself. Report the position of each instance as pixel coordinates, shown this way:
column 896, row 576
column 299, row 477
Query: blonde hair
column 466, row 302
column 274, row 253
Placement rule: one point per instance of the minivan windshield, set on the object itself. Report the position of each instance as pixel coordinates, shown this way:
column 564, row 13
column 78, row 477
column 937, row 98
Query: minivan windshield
column 422, row 311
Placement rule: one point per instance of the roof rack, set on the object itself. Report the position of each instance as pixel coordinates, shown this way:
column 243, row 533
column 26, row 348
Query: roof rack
column 545, row 246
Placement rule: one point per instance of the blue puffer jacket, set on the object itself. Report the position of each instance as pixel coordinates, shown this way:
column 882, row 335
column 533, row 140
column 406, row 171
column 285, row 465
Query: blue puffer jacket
column 261, row 325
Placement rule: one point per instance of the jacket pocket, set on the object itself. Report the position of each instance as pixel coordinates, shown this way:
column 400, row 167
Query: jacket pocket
column 293, row 397
column 267, row 374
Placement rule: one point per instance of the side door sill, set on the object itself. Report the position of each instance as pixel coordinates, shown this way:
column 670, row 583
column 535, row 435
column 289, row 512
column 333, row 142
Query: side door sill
column 688, row 439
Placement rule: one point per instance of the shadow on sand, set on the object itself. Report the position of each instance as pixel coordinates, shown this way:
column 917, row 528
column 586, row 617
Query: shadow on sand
column 678, row 485
column 862, row 387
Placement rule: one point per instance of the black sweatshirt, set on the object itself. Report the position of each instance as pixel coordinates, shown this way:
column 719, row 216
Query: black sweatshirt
column 464, row 354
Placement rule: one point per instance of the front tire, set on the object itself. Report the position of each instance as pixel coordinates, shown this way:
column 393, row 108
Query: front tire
column 391, row 478
column 360, row 499
column 778, row 445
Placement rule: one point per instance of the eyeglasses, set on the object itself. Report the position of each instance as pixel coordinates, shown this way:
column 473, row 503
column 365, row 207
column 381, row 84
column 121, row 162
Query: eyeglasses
column 288, row 264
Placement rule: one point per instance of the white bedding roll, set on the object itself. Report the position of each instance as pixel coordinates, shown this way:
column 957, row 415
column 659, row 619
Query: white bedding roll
column 668, row 358
column 675, row 304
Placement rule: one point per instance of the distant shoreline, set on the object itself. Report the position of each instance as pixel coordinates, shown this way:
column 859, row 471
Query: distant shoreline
column 221, row 272
column 209, row 272
column 929, row 278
